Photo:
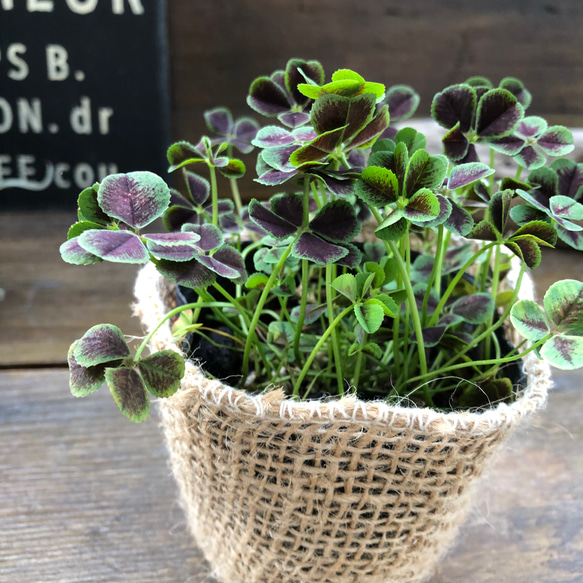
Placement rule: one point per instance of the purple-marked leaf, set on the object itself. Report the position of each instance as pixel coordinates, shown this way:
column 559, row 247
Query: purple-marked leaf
column 162, row 372
column 220, row 162
column 564, row 352
column 115, row 246
column 271, row 136
column 279, row 157
column 137, row 198
column 465, row 174
column 424, row 171
column 509, row 145
column 336, row 222
column 128, row 392
column 479, row 81
column 471, row 155
column 475, row 308
column 566, row 208
column 198, row 188
column 563, row 303
column 304, row 134
column 432, row 335
column 219, row 120
column 536, row 199
column 556, row 141
column 368, row 135
column 190, row 274
column 445, row 209
column 353, row 257
column 526, row 249
column 345, row 284
column 245, row 130
column 572, row 238
column 318, row 149
column 83, row 380
column 173, row 246
column 269, row 221
column 413, row 139
column 422, row 207
column 541, row 231
column 89, row 209
column 377, row 186
column 267, row 97
column 393, row 227
column 570, row 178
column 517, row 89
column 100, row 344
column 72, row 252
column 275, row 177
column 402, row 101
column 484, row 231
column 455, row 144
column 531, row 126
column 229, row 257
column 235, row 168
column 296, row 72
column 497, row 114
column 331, row 112
column 288, row 206
column 455, row 104
column 182, row 153
column 401, row 160
column 320, row 252
column 459, row 221
column 530, row 158
column 313, row 313
column 545, row 182
column 369, row 315
column 499, row 208
column 294, row 119
column 525, row 214
column 209, row 236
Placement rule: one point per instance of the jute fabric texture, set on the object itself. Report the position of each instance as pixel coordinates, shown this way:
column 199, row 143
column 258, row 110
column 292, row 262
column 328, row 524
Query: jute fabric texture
column 333, row 492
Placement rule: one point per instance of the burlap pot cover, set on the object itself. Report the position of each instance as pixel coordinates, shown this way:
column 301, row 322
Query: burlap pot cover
column 338, row 492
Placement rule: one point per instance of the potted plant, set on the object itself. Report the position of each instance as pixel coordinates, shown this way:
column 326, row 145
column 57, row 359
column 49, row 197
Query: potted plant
column 338, row 362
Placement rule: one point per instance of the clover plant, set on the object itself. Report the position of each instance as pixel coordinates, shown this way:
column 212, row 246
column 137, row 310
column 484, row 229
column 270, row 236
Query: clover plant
column 376, row 267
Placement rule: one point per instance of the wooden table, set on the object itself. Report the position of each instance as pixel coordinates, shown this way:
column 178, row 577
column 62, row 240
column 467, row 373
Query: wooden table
column 86, row 496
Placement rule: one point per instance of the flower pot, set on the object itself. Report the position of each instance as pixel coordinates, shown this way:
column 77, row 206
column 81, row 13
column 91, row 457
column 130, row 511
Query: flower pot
column 337, row 492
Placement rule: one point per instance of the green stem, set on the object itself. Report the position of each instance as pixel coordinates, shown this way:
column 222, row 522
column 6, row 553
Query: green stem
column 214, row 196
column 259, row 307
column 358, row 367
column 435, row 276
column 330, row 294
column 518, row 173
column 330, row 330
column 471, row 261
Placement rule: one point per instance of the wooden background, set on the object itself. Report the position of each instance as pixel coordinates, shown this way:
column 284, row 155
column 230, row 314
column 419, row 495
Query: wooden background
column 86, row 496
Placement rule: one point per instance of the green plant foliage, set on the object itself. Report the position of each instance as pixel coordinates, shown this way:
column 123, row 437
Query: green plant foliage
column 373, row 264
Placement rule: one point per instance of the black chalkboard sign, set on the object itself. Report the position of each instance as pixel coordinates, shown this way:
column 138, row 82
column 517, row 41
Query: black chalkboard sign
column 83, row 94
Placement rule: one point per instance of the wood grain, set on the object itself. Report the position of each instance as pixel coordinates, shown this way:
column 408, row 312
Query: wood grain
column 86, row 496
column 49, row 303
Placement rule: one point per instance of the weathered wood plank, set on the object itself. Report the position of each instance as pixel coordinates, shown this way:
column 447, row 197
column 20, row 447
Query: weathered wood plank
column 49, row 303
column 86, row 496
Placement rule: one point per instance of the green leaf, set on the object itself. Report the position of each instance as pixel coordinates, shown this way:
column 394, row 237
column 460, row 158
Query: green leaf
column 563, row 303
column 413, row 139
column 128, row 392
column 377, row 186
column 162, row 372
column 256, row 280
column 388, row 304
column 77, row 228
column 379, row 273
column 370, row 315
column 346, row 285
column 182, row 153
column 529, row 320
column 234, row 169
column 393, row 227
column 89, row 209
column 564, row 352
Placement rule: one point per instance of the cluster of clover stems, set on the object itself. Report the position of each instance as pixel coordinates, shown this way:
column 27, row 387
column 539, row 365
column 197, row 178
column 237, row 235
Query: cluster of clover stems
column 403, row 314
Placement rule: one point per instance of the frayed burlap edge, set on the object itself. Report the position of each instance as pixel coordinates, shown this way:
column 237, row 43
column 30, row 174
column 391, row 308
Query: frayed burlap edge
column 151, row 290
column 384, row 514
